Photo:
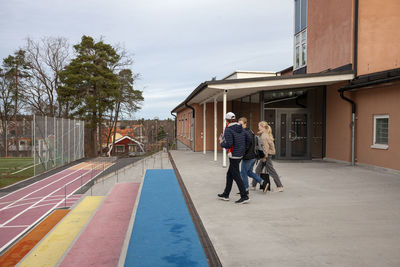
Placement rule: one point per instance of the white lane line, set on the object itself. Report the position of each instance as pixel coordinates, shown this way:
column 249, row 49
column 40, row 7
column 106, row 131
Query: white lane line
column 18, row 200
column 26, row 187
column 14, row 200
column 46, row 213
column 47, row 200
column 15, row 226
column 33, row 205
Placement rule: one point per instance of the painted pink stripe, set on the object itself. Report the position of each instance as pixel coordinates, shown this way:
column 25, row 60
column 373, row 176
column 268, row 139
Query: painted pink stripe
column 107, row 229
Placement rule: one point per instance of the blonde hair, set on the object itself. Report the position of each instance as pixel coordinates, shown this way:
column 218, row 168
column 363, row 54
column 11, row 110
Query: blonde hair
column 243, row 119
column 265, row 125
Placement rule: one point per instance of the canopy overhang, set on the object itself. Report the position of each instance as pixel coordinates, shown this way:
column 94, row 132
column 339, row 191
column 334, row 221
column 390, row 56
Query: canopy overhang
column 244, row 87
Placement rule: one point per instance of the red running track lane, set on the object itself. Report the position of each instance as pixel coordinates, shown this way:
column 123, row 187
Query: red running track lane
column 23, row 208
column 64, row 186
column 101, row 242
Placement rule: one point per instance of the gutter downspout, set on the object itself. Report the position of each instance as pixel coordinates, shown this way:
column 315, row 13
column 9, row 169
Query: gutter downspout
column 193, row 116
column 355, row 52
column 341, row 90
column 352, row 124
column 175, row 130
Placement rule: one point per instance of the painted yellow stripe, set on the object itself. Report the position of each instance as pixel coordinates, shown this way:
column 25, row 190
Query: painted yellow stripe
column 52, row 248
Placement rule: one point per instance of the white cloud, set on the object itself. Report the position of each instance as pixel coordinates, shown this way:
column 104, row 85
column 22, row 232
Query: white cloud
column 177, row 44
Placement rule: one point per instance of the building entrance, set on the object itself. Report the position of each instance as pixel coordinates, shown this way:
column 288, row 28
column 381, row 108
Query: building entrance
column 292, row 132
column 297, row 121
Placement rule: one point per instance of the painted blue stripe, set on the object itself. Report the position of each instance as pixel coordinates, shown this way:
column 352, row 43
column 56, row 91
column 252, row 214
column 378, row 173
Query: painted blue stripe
column 163, row 232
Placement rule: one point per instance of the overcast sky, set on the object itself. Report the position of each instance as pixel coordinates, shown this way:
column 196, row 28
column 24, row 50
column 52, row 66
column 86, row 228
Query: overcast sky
column 176, row 44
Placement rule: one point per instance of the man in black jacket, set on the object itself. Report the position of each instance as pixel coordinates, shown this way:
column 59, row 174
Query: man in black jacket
column 234, row 139
column 249, row 157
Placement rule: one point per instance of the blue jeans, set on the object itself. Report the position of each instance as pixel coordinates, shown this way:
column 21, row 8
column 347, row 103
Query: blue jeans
column 247, row 170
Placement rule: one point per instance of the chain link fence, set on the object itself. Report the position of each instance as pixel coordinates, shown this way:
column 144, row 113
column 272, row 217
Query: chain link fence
column 55, row 142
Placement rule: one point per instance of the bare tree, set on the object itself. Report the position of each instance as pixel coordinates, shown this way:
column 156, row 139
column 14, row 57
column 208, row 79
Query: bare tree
column 47, row 58
column 6, row 107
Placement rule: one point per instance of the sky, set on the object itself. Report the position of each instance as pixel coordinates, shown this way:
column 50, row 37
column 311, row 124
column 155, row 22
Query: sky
column 176, row 44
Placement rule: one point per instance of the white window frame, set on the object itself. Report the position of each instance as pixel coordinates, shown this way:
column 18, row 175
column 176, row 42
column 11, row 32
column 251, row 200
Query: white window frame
column 302, row 41
column 374, row 144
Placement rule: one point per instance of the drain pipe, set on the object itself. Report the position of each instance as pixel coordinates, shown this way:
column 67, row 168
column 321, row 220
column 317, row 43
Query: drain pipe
column 353, row 122
column 193, row 133
column 175, row 130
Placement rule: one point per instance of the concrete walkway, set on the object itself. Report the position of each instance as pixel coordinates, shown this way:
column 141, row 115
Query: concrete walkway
column 330, row 214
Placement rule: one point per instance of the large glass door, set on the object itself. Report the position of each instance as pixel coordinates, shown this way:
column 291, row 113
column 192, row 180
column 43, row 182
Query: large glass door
column 293, row 134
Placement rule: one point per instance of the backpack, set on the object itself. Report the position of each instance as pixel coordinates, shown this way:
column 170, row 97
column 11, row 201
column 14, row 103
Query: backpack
column 258, row 147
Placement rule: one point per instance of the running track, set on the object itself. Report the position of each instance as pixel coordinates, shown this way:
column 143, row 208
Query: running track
column 22, row 209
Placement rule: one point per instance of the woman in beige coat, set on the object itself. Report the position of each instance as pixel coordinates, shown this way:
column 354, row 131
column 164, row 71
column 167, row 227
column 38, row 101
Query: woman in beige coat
column 269, row 150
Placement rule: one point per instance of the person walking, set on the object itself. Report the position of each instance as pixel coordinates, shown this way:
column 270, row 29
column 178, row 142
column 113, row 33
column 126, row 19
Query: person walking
column 249, row 157
column 269, row 150
column 234, row 139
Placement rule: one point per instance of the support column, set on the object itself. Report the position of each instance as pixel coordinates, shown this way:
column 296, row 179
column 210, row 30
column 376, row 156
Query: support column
column 215, row 129
column 204, row 127
column 223, row 126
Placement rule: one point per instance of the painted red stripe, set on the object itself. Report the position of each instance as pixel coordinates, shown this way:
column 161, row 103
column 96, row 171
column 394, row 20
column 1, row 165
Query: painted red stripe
column 101, row 242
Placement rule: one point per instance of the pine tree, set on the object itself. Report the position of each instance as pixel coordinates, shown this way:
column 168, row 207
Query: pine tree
column 89, row 85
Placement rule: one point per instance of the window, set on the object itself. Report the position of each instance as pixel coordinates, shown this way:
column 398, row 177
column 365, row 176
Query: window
column 120, row 149
column 381, row 132
column 300, row 34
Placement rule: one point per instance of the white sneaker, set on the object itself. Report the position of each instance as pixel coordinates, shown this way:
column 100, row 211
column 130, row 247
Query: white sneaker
column 279, row 189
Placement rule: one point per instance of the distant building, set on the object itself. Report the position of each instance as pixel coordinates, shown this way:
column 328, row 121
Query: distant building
column 126, row 146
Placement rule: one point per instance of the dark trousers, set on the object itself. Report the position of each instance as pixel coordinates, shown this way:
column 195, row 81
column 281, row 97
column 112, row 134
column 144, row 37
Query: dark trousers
column 234, row 174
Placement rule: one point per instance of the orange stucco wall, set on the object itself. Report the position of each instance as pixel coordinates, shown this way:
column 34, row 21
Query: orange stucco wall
column 209, row 125
column 338, row 119
column 183, row 128
column 330, row 34
column 380, row 100
column 184, row 118
column 378, row 36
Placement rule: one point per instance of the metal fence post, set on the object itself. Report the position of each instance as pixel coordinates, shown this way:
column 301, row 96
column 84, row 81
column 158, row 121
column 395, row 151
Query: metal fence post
column 54, row 142
column 74, row 141
column 33, row 145
column 65, row 195
column 45, row 140
column 69, row 140
column 62, row 141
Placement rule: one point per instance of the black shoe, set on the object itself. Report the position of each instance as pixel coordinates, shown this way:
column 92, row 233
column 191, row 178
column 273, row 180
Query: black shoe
column 262, row 185
column 243, row 200
column 247, row 192
column 223, row 197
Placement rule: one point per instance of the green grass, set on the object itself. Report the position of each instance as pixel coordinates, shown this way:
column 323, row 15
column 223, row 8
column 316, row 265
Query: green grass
column 8, row 166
